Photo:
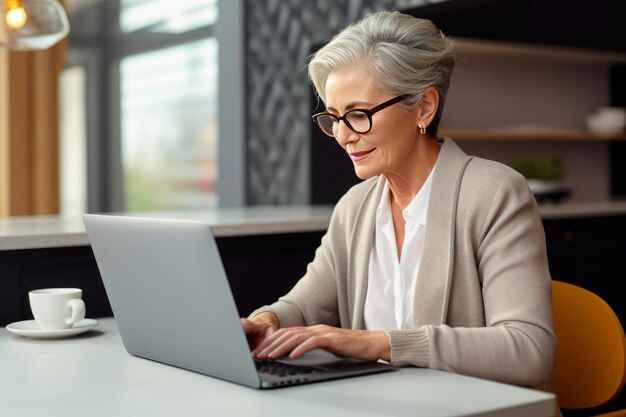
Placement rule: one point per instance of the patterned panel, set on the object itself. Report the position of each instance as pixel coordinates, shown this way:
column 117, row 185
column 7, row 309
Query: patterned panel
column 279, row 36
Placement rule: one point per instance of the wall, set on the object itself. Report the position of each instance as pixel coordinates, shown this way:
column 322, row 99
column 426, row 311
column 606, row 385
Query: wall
column 29, row 161
column 586, row 162
column 533, row 88
column 490, row 89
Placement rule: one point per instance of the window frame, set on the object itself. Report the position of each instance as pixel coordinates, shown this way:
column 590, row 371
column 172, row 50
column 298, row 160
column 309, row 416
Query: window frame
column 102, row 58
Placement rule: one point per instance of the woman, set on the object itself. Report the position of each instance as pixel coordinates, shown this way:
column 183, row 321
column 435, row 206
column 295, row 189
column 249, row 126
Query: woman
column 437, row 259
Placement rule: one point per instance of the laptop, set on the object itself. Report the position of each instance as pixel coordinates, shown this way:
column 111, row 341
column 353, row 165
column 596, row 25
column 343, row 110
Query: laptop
column 173, row 304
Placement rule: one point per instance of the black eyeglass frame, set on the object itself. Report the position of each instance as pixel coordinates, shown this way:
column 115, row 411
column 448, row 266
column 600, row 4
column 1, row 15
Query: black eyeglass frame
column 368, row 112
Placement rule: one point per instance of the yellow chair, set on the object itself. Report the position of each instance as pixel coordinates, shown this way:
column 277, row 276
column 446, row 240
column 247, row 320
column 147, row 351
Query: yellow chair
column 590, row 363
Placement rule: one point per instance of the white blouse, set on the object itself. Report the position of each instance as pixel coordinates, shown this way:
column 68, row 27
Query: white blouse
column 391, row 284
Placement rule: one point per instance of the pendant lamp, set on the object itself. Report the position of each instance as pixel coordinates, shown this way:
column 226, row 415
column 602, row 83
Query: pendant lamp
column 32, row 24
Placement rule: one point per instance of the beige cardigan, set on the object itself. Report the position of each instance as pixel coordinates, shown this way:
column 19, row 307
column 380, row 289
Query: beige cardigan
column 483, row 295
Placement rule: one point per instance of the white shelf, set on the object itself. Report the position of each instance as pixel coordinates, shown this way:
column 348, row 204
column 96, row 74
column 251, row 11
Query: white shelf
column 522, row 134
column 577, row 210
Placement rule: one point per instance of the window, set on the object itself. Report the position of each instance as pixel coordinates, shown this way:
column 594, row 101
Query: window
column 166, row 16
column 73, row 141
column 169, row 129
column 151, row 103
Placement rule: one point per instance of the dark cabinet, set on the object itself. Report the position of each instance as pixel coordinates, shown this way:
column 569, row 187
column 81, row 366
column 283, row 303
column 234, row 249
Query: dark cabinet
column 568, row 23
column 590, row 252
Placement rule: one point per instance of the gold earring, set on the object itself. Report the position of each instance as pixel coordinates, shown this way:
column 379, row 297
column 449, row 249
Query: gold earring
column 422, row 128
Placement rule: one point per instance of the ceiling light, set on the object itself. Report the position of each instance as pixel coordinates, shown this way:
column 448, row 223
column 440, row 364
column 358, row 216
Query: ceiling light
column 32, row 24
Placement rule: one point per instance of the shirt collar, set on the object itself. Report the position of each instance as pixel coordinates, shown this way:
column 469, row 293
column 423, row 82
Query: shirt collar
column 417, row 208
column 383, row 213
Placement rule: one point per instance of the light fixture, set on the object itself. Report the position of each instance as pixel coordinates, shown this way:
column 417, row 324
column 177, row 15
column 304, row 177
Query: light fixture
column 32, row 24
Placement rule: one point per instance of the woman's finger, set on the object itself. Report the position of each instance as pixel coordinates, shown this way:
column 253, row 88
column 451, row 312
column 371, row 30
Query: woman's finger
column 294, row 340
column 256, row 332
column 274, row 340
column 283, row 343
column 286, row 345
column 313, row 342
column 247, row 325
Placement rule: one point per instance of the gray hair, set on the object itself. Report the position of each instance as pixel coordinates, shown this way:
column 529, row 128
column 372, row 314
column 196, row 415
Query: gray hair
column 404, row 54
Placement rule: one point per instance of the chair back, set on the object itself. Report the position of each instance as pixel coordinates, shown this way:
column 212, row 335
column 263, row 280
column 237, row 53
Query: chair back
column 590, row 363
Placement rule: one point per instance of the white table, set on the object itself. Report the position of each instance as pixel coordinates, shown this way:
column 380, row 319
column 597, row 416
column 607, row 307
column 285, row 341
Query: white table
column 92, row 375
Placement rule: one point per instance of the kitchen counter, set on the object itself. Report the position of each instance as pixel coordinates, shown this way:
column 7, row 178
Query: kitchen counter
column 579, row 210
column 32, row 232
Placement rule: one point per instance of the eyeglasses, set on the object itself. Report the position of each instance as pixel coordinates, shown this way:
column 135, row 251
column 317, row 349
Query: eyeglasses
column 357, row 120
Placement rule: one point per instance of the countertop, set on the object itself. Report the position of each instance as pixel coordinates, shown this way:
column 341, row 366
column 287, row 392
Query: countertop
column 31, row 232
column 34, row 232
column 588, row 209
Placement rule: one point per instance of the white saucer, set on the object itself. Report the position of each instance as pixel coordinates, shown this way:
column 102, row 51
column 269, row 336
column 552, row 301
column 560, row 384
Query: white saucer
column 30, row 328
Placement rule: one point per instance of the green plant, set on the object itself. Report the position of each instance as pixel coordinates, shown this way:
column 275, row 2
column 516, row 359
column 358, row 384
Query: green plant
column 545, row 168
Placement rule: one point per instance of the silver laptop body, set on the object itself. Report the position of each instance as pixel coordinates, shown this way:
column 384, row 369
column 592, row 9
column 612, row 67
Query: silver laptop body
column 172, row 302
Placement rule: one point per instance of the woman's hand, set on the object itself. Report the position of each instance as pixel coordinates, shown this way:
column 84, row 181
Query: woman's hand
column 296, row 341
column 259, row 328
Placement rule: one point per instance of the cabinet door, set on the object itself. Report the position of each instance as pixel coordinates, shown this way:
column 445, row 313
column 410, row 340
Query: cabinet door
column 590, row 252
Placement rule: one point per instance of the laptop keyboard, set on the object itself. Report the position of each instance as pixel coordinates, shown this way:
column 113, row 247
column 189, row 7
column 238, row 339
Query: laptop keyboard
column 282, row 369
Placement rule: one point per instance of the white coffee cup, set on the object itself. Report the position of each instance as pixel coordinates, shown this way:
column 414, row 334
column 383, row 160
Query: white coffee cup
column 57, row 308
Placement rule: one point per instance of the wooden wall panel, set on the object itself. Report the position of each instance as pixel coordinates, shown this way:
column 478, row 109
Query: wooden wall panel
column 29, row 131
column 4, row 127
column 16, row 138
column 45, row 133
